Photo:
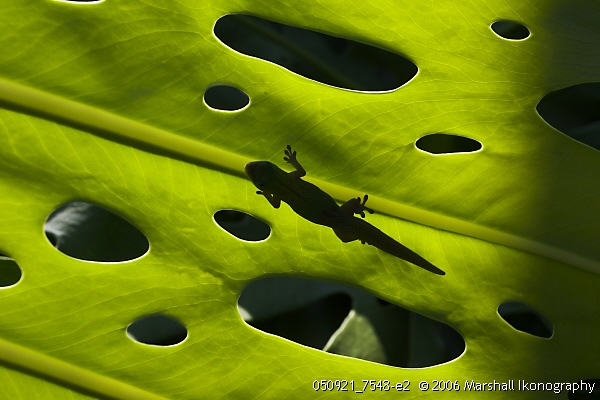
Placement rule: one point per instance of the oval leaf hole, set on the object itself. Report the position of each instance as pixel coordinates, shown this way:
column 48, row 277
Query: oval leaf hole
column 346, row 320
column 574, row 111
column 88, row 232
column 510, row 30
column 525, row 319
column 442, row 143
column 10, row 273
column 81, row 1
column 157, row 330
column 327, row 59
column 243, row 226
column 226, row 98
column 586, row 391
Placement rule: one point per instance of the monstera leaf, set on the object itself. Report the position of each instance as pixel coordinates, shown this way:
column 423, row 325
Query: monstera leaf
column 102, row 102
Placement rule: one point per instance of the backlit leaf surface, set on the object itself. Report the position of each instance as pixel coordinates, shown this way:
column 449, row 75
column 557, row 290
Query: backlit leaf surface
column 102, row 102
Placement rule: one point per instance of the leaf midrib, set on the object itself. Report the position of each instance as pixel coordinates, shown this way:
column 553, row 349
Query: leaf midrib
column 61, row 109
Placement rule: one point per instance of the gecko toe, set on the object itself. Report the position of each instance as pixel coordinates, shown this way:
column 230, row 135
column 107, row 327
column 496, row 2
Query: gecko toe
column 365, row 198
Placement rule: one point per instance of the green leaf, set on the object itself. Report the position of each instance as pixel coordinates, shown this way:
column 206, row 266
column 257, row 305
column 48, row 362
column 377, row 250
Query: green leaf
column 102, row 102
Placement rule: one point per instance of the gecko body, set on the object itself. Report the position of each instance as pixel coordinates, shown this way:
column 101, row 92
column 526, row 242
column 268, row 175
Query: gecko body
column 315, row 205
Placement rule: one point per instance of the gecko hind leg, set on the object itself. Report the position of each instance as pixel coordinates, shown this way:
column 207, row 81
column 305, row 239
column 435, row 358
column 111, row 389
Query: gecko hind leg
column 345, row 236
column 349, row 208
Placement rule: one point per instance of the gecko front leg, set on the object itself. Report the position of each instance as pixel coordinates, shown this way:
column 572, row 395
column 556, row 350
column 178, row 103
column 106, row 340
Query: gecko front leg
column 271, row 198
column 291, row 158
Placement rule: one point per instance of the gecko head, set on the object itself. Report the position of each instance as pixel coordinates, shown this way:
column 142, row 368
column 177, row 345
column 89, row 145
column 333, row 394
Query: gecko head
column 261, row 173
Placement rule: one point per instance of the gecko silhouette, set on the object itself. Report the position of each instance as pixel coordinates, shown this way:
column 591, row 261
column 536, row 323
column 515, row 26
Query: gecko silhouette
column 313, row 204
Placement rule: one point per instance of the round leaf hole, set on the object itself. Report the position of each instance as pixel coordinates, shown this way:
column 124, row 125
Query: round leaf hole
column 10, row 273
column 157, row 330
column 92, row 233
column 331, row 60
column 226, row 98
column 510, row 30
column 346, row 320
column 243, row 226
column 525, row 319
column 81, row 1
column 574, row 111
column 442, row 143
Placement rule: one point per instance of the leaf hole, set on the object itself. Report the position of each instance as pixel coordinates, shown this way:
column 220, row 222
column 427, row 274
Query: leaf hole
column 81, row 1
column 525, row 319
column 574, row 111
column 327, row 59
column 226, row 98
column 585, row 392
column 157, row 330
column 242, row 226
column 10, row 272
column 510, row 30
column 346, row 320
column 89, row 232
column 443, row 143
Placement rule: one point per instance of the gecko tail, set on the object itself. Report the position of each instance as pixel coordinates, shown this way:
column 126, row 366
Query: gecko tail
column 365, row 232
